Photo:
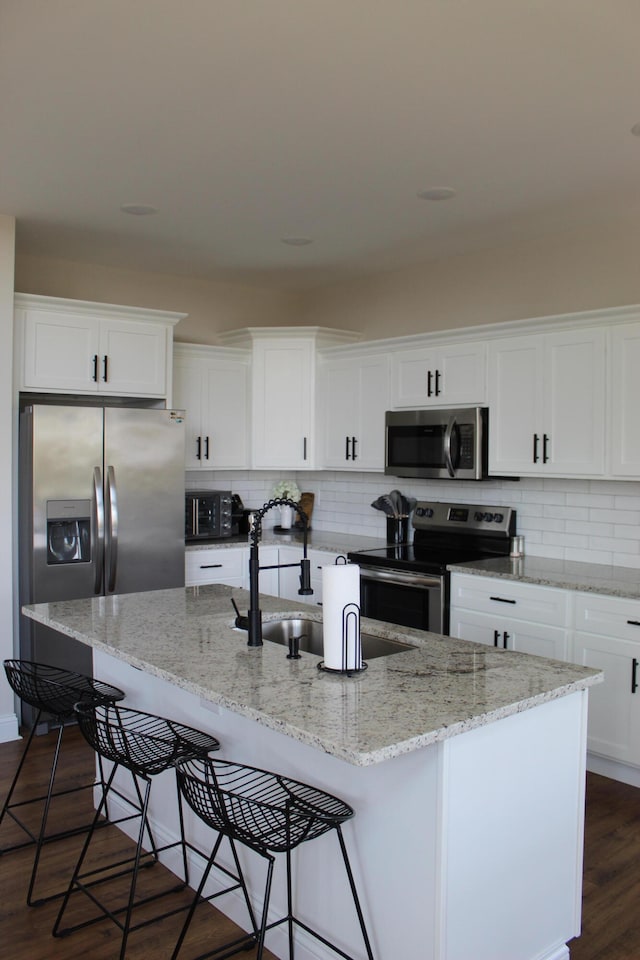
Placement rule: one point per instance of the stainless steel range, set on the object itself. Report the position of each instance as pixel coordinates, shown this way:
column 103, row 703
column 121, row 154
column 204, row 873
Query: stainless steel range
column 408, row 583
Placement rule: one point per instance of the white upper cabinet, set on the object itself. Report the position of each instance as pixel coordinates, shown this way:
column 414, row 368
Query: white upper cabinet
column 446, row 374
column 353, row 397
column 284, row 392
column 212, row 385
column 547, row 404
column 70, row 346
column 625, row 400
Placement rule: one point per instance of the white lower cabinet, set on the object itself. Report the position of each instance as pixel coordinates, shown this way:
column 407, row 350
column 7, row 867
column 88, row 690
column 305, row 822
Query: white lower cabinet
column 268, row 580
column 590, row 629
column 510, row 615
column 607, row 636
column 216, row 565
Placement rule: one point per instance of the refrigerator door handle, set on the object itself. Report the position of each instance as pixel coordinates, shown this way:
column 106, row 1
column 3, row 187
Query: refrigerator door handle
column 98, row 499
column 112, row 506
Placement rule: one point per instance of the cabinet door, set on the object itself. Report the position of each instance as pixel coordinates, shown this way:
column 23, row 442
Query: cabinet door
column 355, row 396
column 133, row 359
column 284, row 385
column 188, row 395
column 614, row 710
column 453, row 373
column 625, row 397
column 226, row 415
column 61, row 352
column 289, row 580
column 574, row 403
column 507, row 634
column 216, row 565
column 515, row 404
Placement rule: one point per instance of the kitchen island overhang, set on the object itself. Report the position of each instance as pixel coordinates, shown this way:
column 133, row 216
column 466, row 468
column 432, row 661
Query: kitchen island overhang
column 465, row 765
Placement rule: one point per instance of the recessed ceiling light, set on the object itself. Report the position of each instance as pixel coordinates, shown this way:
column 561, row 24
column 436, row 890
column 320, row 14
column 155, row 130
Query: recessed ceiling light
column 635, row 129
column 437, row 193
column 138, row 209
column 296, row 241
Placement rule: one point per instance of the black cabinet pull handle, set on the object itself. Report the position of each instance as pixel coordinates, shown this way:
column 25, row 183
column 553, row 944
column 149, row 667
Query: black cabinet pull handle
column 505, row 637
column 634, row 675
column 304, row 448
column 535, row 447
column 346, row 454
column 206, row 448
column 210, row 566
column 634, row 623
column 105, row 361
column 437, row 378
column 545, row 448
column 428, row 383
column 95, row 368
column 502, row 600
column 496, row 635
column 199, row 448
column 354, row 455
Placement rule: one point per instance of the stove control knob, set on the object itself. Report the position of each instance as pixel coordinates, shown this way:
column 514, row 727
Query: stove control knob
column 419, row 511
column 428, row 512
column 498, row 517
column 478, row 516
column 488, row 517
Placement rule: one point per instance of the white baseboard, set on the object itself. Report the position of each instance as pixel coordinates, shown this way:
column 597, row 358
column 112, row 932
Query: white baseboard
column 9, row 728
column 613, row 769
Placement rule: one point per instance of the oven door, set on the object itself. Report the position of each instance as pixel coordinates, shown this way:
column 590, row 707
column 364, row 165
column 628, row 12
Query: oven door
column 407, row 599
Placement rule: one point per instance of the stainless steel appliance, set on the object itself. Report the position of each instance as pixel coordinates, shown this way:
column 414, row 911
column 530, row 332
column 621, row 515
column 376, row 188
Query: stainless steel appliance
column 101, row 502
column 208, row 515
column 445, row 444
column 408, row 583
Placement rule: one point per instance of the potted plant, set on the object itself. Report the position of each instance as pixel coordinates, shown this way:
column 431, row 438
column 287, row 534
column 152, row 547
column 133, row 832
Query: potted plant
column 286, row 490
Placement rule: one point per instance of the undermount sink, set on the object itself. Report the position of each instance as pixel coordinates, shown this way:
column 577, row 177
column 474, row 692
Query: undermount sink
column 309, row 633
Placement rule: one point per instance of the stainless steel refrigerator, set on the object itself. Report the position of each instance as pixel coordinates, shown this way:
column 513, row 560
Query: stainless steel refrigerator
column 101, row 503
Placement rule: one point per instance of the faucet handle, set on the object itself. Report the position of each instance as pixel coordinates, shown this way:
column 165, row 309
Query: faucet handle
column 305, row 578
column 242, row 622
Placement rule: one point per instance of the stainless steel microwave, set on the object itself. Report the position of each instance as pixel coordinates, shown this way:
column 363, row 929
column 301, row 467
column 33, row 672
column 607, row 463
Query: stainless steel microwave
column 445, row 444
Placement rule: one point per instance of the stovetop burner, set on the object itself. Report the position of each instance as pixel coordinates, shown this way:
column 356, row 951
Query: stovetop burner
column 446, row 533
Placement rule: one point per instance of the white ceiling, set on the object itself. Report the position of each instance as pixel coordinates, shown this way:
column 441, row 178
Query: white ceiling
column 245, row 121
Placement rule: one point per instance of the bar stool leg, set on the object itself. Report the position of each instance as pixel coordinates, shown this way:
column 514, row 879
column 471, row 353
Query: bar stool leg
column 7, row 801
column 136, row 867
column 45, row 816
column 265, row 908
column 354, row 893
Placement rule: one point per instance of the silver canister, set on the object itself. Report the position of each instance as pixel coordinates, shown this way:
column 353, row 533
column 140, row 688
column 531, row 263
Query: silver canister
column 517, row 547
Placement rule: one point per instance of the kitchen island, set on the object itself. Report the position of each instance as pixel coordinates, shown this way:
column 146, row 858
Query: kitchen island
column 465, row 766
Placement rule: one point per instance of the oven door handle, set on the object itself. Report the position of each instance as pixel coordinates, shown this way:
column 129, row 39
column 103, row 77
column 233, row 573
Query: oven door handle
column 395, row 576
column 448, row 440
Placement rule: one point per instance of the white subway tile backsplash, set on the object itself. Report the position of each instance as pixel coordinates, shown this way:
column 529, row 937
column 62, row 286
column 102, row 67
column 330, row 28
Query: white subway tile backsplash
column 584, row 520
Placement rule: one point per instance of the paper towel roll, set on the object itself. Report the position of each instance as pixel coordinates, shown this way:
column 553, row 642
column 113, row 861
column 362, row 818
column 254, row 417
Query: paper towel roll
column 340, row 590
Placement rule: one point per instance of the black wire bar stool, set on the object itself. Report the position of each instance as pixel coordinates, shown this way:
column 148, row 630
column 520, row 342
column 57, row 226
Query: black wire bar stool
column 54, row 691
column 269, row 814
column 145, row 745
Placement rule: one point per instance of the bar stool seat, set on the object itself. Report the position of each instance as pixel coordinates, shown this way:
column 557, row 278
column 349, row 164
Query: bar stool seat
column 54, row 691
column 269, row 814
column 145, row 745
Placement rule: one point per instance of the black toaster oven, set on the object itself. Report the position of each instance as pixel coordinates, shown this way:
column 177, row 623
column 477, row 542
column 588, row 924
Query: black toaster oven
column 208, row 515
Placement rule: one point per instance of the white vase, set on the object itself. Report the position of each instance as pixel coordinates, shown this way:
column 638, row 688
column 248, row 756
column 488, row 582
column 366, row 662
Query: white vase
column 286, row 517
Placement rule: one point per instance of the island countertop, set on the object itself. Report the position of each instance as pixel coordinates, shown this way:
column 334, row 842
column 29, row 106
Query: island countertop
column 440, row 689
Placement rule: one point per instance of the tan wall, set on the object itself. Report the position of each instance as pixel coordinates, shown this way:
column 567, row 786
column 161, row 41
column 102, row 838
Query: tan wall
column 571, row 271
column 587, row 268
column 212, row 307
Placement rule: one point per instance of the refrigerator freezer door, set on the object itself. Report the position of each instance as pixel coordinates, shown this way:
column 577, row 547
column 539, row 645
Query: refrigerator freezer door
column 144, row 499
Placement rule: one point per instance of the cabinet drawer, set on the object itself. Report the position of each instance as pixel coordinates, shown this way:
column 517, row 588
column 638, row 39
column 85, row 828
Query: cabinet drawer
column 215, row 566
column 509, row 598
column 608, row 616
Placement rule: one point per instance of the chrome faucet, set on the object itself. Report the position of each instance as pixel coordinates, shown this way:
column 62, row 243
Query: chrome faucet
column 254, row 616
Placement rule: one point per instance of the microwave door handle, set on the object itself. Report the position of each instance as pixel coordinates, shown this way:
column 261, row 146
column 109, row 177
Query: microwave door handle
column 448, row 441
column 112, row 503
column 98, row 499
column 194, row 517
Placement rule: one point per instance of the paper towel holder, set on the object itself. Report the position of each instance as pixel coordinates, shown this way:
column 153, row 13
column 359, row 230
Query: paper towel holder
column 350, row 616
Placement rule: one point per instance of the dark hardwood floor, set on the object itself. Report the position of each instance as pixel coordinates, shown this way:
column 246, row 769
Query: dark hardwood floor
column 611, row 914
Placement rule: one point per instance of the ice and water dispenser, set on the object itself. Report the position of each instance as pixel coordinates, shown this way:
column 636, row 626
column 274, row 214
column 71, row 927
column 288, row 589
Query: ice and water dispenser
column 68, row 531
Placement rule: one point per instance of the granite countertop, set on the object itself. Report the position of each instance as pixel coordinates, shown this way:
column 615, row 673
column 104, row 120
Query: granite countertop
column 441, row 688
column 563, row 574
column 333, row 542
